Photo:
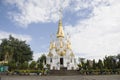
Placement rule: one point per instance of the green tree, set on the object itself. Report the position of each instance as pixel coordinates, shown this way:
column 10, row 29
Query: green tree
column 118, row 63
column 88, row 65
column 14, row 50
column 40, row 66
column 24, row 65
column 94, row 64
column 110, row 62
column 82, row 64
column 5, row 50
column 41, row 61
column 12, row 65
column 33, row 65
column 100, row 64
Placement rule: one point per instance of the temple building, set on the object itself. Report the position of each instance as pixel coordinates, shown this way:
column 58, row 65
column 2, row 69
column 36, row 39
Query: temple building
column 60, row 52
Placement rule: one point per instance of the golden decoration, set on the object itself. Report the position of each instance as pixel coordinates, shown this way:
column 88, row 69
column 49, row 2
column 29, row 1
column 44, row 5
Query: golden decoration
column 60, row 32
column 61, row 44
column 52, row 45
column 62, row 53
column 71, row 54
column 68, row 45
column 50, row 54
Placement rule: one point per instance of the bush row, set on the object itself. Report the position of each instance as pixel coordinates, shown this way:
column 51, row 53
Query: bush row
column 25, row 72
column 100, row 72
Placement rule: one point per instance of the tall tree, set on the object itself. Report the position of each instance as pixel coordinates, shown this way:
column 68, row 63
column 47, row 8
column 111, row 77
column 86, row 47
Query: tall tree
column 15, row 50
column 5, row 50
column 100, row 64
column 41, row 61
column 110, row 62
column 88, row 64
column 82, row 63
column 118, row 63
column 94, row 64
column 33, row 65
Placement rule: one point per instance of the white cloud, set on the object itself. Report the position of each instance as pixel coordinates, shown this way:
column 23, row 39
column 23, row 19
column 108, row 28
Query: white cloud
column 34, row 11
column 98, row 35
column 4, row 34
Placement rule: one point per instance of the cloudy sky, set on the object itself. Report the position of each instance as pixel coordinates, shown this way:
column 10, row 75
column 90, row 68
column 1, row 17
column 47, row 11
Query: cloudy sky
column 94, row 25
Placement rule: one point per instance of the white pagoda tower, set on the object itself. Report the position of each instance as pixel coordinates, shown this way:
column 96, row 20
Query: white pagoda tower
column 60, row 52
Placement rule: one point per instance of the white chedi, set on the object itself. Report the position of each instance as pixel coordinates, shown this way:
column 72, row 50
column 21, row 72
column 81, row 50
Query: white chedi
column 60, row 53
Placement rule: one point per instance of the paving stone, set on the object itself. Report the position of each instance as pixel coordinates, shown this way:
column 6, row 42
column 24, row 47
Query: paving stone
column 78, row 77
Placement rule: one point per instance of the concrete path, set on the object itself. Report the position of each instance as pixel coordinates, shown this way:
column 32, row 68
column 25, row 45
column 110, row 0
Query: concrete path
column 80, row 77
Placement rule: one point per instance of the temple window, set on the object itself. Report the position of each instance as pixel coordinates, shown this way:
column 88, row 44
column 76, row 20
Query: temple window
column 51, row 60
column 71, row 60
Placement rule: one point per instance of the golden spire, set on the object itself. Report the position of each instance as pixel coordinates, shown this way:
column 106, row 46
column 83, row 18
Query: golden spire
column 60, row 32
column 68, row 44
column 52, row 43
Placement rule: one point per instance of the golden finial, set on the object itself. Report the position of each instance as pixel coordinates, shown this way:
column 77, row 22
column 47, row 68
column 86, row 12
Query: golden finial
column 52, row 43
column 60, row 32
column 68, row 44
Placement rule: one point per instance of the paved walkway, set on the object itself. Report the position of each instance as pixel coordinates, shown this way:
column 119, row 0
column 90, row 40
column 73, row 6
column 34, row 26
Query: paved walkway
column 80, row 77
